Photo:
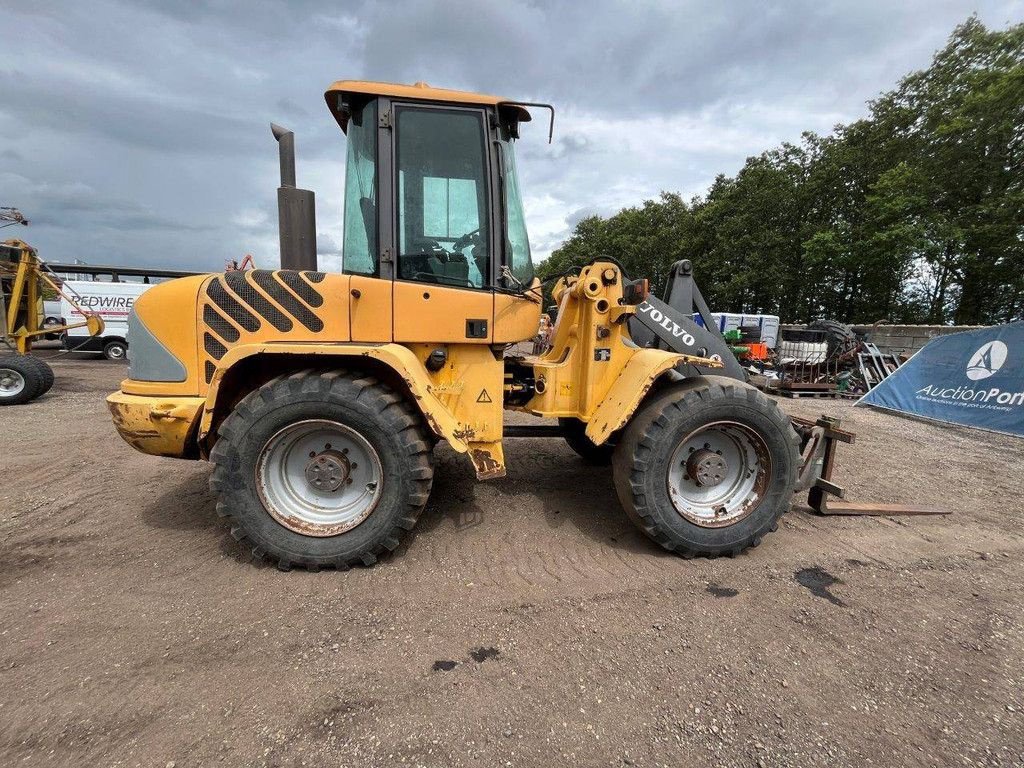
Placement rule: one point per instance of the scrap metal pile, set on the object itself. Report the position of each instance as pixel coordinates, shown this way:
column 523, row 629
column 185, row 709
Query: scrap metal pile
column 826, row 358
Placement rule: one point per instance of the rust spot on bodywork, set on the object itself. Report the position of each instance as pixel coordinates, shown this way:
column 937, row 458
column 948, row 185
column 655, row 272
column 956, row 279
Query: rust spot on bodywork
column 412, row 388
column 432, row 422
column 305, row 528
column 486, row 467
column 465, row 435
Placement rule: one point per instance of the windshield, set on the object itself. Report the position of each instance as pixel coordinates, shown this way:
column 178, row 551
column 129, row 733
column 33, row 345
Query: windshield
column 518, row 242
column 359, row 246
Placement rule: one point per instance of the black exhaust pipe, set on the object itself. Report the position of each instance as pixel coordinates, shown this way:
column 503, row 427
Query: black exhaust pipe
column 296, row 209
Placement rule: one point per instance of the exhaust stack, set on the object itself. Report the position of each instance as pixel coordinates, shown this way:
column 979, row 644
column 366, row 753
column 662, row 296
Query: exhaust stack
column 296, row 209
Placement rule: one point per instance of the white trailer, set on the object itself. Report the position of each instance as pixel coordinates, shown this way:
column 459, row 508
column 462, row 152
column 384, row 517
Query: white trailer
column 113, row 302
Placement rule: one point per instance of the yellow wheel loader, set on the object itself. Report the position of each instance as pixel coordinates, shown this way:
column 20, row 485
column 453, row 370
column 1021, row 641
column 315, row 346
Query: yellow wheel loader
column 319, row 396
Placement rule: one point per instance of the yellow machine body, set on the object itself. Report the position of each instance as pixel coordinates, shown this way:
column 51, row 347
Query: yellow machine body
column 318, row 396
column 246, row 328
column 430, row 304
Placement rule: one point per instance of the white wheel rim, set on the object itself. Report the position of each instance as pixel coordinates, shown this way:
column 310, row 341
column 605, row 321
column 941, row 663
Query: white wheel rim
column 116, row 352
column 319, row 477
column 12, row 383
column 718, row 474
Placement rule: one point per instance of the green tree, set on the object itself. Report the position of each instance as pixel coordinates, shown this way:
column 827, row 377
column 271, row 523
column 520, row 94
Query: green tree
column 914, row 214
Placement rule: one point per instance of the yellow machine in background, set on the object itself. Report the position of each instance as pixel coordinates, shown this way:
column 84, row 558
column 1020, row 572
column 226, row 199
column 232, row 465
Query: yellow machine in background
column 22, row 277
column 319, row 396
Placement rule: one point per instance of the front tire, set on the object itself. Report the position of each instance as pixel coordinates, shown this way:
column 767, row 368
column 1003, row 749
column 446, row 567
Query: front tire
column 707, row 468
column 322, row 469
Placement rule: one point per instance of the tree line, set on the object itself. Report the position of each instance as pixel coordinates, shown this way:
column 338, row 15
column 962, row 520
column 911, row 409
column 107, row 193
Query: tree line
column 914, row 214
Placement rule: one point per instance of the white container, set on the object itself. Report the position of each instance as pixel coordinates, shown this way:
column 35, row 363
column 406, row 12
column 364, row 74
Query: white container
column 728, row 321
column 769, row 325
column 802, row 352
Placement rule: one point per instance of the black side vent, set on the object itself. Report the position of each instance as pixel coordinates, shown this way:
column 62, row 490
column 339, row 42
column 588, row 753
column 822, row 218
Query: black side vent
column 214, row 348
column 220, row 325
column 284, row 297
column 231, row 307
column 247, row 292
column 301, row 288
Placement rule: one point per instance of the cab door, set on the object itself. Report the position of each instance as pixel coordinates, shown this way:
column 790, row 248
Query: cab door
column 443, row 242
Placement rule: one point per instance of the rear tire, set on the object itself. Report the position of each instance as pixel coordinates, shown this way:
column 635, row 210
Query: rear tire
column 288, row 454
column 707, row 467
column 115, row 350
column 21, row 379
column 575, row 435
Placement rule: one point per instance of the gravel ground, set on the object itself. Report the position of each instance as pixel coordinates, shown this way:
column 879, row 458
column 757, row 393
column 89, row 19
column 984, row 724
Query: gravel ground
column 525, row 623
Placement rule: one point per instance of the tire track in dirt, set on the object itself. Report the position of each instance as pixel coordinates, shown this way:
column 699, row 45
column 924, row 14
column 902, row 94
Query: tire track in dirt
column 927, row 644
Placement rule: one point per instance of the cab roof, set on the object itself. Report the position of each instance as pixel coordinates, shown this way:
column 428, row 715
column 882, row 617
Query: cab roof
column 417, row 92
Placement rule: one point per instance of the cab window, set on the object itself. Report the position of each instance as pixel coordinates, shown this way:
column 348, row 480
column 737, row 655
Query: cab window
column 442, row 206
column 517, row 242
column 359, row 243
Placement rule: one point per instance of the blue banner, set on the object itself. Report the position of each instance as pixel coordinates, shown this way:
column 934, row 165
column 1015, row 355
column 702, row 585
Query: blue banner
column 975, row 378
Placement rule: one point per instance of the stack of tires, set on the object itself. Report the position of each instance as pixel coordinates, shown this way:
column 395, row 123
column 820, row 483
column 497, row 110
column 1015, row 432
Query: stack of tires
column 840, row 337
column 23, row 378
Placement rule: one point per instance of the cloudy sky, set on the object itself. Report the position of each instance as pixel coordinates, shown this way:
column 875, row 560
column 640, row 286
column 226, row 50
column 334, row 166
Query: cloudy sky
column 137, row 132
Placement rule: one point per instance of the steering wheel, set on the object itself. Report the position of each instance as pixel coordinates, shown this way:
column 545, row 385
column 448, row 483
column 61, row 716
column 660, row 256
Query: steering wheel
column 470, row 238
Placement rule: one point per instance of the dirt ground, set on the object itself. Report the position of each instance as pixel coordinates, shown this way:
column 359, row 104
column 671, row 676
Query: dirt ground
column 525, row 623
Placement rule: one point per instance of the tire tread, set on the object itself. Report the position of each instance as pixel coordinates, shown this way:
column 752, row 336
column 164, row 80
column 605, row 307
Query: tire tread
column 634, row 455
column 340, row 387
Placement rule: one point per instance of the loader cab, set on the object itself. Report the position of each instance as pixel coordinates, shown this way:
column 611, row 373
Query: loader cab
column 432, row 205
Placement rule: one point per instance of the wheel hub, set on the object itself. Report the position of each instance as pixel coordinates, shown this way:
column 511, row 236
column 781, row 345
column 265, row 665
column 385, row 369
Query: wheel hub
column 11, row 382
column 718, row 474
column 707, row 467
column 328, row 471
column 319, row 477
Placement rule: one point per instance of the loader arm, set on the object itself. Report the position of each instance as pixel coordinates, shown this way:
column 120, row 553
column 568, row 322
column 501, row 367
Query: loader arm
column 669, row 324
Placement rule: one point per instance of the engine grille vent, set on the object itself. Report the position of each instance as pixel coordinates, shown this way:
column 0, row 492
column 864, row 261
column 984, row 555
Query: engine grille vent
column 239, row 303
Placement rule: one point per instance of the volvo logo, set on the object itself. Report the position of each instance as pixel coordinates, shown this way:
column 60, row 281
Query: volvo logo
column 987, row 360
column 661, row 319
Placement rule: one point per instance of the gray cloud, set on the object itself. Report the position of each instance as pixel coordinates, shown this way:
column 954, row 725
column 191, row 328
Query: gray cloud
column 137, row 132
column 326, row 245
column 74, row 205
column 580, row 214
